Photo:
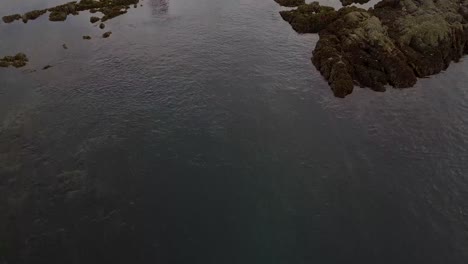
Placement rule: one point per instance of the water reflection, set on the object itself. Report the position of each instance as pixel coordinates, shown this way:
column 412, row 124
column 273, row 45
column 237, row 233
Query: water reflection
column 159, row 6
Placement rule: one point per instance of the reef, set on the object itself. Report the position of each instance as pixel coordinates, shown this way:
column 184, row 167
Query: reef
column 290, row 3
column 17, row 61
column 393, row 43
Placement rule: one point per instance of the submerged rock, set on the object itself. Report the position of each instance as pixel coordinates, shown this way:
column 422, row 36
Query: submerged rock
column 102, row 26
column 87, row 37
column 65, row 46
column 17, row 61
column 47, row 67
column 391, row 44
column 94, row 19
column 107, row 34
column 290, row 3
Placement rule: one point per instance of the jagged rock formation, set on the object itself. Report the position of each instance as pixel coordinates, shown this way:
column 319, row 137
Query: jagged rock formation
column 391, row 44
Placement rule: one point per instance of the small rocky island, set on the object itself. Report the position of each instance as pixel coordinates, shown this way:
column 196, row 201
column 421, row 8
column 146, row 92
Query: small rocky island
column 393, row 43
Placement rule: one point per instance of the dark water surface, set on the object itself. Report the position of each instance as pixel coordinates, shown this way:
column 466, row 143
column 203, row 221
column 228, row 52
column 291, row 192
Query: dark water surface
column 200, row 132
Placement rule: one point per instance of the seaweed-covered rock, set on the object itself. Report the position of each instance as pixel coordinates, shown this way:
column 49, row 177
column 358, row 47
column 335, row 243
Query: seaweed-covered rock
column 393, row 43
column 17, row 61
column 102, row 26
column 94, row 19
column 430, row 33
column 290, row 3
column 11, row 18
column 107, row 34
column 356, row 49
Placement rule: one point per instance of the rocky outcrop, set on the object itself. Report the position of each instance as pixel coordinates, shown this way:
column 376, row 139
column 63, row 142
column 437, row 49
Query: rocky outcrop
column 356, row 49
column 17, row 61
column 391, row 44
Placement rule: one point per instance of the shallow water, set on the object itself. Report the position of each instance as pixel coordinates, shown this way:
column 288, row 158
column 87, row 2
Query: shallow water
column 200, row 132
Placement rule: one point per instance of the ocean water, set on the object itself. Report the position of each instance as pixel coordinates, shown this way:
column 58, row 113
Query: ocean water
column 200, row 132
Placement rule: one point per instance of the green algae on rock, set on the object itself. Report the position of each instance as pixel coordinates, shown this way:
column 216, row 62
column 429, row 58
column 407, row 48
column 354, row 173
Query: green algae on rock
column 17, row 61
column 290, row 3
column 391, row 44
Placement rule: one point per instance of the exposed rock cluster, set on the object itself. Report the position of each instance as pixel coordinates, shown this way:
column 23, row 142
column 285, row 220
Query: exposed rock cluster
column 393, row 43
column 109, row 8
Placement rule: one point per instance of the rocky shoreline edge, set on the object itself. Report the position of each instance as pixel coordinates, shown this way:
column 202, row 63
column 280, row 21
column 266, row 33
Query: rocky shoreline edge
column 393, row 43
column 108, row 8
